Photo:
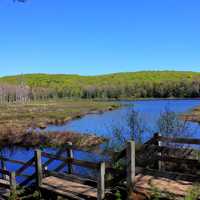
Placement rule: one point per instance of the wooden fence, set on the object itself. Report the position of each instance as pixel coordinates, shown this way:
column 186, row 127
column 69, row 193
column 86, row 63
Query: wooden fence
column 159, row 150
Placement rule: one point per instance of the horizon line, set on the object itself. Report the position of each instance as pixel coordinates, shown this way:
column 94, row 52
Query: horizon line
column 98, row 74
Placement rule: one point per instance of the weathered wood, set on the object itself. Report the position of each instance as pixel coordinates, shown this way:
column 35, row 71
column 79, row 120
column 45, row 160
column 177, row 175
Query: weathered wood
column 130, row 156
column 13, row 184
column 60, row 167
column 74, row 178
column 38, row 167
column 179, row 140
column 24, row 167
column 67, row 188
column 85, row 164
column 49, row 161
column 183, row 152
column 12, row 161
column 169, row 174
column 174, row 188
column 190, row 162
column 3, row 166
column 28, row 180
column 81, row 163
column 101, row 182
column 70, row 157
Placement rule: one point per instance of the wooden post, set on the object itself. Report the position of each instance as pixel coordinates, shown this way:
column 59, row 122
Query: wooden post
column 3, row 167
column 159, row 144
column 101, row 182
column 70, row 157
column 130, row 159
column 13, row 184
column 38, row 167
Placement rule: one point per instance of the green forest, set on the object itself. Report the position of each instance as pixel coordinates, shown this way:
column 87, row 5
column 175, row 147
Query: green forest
column 145, row 84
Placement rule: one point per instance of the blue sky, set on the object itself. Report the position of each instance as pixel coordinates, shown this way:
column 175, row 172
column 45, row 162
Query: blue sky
column 99, row 36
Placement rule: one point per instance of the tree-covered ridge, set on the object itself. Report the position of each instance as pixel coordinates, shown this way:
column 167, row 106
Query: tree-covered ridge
column 145, row 84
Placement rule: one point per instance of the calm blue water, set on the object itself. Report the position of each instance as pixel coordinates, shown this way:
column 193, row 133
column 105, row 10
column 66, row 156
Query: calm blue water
column 103, row 124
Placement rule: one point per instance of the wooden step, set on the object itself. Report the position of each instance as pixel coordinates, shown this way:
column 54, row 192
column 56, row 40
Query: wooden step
column 68, row 188
column 148, row 184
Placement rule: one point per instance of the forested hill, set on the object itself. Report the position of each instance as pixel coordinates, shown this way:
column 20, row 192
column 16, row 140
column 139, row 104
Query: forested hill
column 120, row 85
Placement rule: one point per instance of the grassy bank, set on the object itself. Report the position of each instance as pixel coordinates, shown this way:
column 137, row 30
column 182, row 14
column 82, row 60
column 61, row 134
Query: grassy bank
column 193, row 115
column 15, row 119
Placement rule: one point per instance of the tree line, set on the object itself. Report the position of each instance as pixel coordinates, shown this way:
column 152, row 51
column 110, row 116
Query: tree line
column 179, row 89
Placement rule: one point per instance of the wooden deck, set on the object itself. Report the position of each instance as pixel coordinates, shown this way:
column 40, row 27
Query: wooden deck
column 147, row 184
column 152, row 175
column 68, row 188
column 144, row 184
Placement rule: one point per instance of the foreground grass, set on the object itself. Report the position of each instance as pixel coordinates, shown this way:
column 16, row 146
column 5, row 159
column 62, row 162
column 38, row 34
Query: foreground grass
column 16, row 119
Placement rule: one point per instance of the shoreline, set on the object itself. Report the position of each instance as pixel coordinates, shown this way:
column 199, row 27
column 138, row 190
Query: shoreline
column 18, row 121
column 58, row 122
column 144, row 99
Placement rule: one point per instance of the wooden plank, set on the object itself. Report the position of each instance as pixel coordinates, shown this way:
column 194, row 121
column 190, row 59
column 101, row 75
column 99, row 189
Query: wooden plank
column 38, row 167
column 70, row 156
column 81, row 163
column 24, row 167
column 178, row 160
column 28, row 180
column 86, row 164
column 168, row 174
column 130, row 165
column 74, row 178
column 101, row 182
column 146, row 183
column 49, row 161
column 179, row 152
column 60, row 167
column 3, row 166
column 68, row 188
column 5, row 183
column 13, row 161
column 179, row 140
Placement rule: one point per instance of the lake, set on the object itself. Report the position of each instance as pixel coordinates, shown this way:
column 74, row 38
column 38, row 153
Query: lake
column 103, row 124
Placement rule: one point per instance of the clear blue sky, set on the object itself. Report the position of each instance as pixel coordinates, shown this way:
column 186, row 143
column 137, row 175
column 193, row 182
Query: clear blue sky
column 99, row 36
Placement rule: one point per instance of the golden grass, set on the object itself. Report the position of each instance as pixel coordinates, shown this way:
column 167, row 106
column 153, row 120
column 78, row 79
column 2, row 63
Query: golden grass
column 16, row 119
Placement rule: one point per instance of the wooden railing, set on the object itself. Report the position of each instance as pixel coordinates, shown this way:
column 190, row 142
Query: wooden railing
column 42, row 169
column 156, row 147
column 22, row 166
column 172, row 150
column 12, row 179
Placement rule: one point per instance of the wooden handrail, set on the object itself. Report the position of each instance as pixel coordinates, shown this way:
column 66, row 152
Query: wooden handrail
column 49, row 161
column 13, row 161
column 178, row 140
column 81, row 163
column 25, row 166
